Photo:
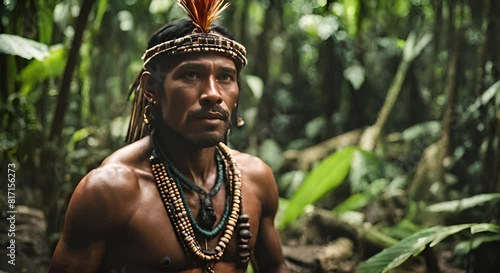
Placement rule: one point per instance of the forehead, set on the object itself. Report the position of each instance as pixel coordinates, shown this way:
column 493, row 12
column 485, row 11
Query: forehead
column 203, row 58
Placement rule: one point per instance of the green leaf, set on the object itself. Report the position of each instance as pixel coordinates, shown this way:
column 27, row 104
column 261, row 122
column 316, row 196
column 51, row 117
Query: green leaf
column 365, row 168
column 313, row 128
column 359, row 200
column 354, row 202
column 464, row 248
column 22, row 47
column 256, row 85
column 45, row 25
column 351, row 12
column 485, row 227
column 401, row 8
column 52, row 66
column 101, row 9
column 78, row 136
column 463, row 204
column 271, row 153
column 355, row 74
column 413, row 245
column 159, row 6
column 319, row 26
column 430, row 129
column 327, row 176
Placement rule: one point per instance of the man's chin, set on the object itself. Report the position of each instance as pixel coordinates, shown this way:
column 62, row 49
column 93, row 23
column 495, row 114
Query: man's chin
column 206, row 140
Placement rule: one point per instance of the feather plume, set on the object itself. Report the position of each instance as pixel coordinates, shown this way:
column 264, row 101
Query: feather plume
column 203, row 12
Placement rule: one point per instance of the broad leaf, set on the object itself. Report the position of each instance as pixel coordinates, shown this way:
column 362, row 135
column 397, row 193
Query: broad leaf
column 464, row 248
column 324, row 178
column 463, row 204
column 22, row 47
column 38, row 71
column 413, row 245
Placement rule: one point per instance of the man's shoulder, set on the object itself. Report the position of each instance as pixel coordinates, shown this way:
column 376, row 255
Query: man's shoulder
column 118, row 175
column 253, row 166
column 132, row 155
column 110, row 193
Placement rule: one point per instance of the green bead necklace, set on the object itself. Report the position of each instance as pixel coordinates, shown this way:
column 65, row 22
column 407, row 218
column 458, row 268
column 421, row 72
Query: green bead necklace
column 206, row 216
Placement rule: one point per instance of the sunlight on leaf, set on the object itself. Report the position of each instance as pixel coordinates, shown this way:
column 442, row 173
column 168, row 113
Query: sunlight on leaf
column 365, row 168
column 52, row 66
column 351, row 12
column 256, row 85
column 327, row 176
column 463, row 204
column 78, row 136
column 485, row 227
column 159, row 6
column 314, row 127
column 22, row 47
column 464, row 248
column 413, row 245
column 355, row 74
column 101, row 9
column 319, row 26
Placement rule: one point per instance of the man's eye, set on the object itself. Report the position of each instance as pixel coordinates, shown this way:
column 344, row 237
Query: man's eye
column 225, row 77
column 191, row 75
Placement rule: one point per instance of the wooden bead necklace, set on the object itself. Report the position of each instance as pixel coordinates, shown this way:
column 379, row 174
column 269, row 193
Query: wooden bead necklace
column 177, row 210
column 206, row 216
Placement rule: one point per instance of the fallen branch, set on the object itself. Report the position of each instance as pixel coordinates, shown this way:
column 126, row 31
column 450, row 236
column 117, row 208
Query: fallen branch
column 302, row 159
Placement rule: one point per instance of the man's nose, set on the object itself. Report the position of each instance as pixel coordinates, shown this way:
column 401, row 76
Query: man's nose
column 211, row 94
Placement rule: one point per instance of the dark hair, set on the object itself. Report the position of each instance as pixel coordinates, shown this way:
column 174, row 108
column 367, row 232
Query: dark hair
column 159, row 66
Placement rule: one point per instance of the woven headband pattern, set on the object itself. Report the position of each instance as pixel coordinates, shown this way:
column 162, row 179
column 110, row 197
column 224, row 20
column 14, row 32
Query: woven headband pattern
column 199, row 42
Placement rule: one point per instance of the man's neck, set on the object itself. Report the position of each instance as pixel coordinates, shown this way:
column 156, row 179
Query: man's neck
column 196, row 163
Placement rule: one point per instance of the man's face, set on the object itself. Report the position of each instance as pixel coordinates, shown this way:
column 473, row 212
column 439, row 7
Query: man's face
column 200, row 92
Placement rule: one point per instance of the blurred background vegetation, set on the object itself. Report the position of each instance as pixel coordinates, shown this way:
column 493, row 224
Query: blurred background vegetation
column 380, row 115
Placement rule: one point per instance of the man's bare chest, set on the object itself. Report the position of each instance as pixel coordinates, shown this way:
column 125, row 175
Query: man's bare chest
column 150, row 242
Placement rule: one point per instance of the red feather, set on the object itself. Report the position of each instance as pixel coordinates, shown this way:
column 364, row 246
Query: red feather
column 203, row 12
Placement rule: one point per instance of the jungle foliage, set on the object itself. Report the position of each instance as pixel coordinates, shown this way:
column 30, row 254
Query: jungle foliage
column 385, row 113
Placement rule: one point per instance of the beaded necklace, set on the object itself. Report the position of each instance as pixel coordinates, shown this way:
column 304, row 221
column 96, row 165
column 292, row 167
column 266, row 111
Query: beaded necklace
column 177, row 209
column 206, row 216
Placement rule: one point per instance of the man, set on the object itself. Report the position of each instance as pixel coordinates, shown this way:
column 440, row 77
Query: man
column 177, row 199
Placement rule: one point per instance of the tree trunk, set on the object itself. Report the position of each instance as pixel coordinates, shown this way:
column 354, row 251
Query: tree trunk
column 451, row 90
column 243, row 22
column 65, row 88
column 330, row 68
column 53, row 177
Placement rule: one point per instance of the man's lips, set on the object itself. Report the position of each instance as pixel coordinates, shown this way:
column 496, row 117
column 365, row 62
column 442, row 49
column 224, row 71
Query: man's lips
column 212, row 115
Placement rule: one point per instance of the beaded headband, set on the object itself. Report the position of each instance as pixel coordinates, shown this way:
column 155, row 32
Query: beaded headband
column 203, row 39
column 199, row 42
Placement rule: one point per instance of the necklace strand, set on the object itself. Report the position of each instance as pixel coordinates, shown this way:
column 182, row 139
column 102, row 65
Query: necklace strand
column 172, row 172
column 171, row 196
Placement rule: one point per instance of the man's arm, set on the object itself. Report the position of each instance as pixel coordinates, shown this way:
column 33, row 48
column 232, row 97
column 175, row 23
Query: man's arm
column 267, row 253
column 102, row 202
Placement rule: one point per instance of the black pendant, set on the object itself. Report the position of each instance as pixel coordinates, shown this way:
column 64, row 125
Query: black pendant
column 206, row 216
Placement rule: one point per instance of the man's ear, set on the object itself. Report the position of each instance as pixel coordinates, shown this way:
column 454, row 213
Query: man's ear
column 149, row 86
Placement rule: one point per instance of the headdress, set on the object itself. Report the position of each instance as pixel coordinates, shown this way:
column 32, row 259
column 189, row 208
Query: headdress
column 203, row 39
